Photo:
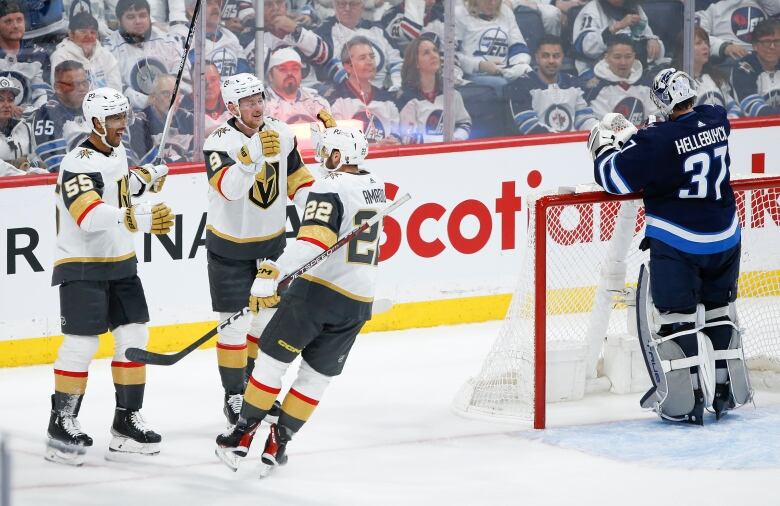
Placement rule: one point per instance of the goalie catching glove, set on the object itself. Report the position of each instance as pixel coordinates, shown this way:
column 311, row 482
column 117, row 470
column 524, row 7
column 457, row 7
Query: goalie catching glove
column 326, row 118
column 612, row 132
column 150, row 218
column 263, row 144
column 263, row 292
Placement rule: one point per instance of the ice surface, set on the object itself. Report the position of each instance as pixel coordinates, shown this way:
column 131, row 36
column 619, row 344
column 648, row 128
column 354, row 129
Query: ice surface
column 384, row 434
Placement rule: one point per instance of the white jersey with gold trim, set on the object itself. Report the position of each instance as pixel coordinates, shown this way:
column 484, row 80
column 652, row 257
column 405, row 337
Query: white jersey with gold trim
column 247, row 212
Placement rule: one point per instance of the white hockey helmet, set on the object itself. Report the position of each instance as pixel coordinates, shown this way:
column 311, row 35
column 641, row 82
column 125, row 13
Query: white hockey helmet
column 238, row 86
column 350, row 142
column 672, row 87
column 103, row 102
column 9, row 84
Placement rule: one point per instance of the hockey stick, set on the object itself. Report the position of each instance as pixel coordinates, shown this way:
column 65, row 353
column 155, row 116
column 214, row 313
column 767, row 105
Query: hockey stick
column 182, row 64
column 152, row 358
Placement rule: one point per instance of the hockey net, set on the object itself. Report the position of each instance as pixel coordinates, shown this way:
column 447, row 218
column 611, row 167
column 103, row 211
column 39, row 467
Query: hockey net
column 576, row 288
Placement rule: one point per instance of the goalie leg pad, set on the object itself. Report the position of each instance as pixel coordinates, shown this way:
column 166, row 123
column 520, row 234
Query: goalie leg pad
column 672, row 346
column 722, row 325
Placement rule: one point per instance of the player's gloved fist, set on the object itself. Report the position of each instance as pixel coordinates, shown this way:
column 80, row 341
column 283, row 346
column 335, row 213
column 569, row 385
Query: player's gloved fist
column 620, row 126
column 150, row 218
column 153, row 176
column 263, row 291
column 263, row 144
column 600, row 141
column 326, row 118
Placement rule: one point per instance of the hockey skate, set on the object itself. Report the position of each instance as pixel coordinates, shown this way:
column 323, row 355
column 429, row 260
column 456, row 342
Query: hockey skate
column 723, row 401
column 275, row 452
column 67, row 443
column 232, row 407
column 233, row 445
column 131, row 436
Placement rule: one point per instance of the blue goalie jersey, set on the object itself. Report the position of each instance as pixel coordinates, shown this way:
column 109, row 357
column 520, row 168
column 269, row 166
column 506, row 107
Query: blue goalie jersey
column 683, row 168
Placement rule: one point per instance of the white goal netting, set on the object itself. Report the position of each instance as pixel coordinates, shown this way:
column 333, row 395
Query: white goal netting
column 577, row 279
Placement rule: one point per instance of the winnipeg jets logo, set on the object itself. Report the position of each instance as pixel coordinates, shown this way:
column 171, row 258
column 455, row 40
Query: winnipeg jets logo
column 632, row 108
column 558, row 118
column 743, row 20
column 493, row 42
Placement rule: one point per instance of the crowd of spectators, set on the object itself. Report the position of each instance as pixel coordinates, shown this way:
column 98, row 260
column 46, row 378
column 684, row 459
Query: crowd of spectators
column 522, row 66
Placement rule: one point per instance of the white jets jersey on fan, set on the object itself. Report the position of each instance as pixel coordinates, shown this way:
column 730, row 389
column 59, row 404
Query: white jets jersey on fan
column 337, row 203
column 730, row 21
column 497, row 40
column 388, row 59
column 422, row 120
column 16, row 140
column 607, row 92
column 247, row 213
column 223, row 49
column 709, row 92
column 140, row 64
column 89, row 179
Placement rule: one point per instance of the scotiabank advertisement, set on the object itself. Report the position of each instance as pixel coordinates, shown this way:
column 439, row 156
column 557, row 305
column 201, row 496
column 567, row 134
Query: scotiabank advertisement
column 463, row 234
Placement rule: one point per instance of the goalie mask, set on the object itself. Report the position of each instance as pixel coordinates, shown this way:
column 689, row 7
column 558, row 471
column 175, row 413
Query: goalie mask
column 350, row 142
column 103, row 103
column 672, row 87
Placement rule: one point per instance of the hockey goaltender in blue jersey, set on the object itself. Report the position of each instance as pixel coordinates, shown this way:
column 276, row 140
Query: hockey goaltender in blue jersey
column 683, row 168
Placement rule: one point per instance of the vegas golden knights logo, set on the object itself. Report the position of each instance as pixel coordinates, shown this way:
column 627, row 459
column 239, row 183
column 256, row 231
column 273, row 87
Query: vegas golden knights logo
column 124, row 192
column 265, row 191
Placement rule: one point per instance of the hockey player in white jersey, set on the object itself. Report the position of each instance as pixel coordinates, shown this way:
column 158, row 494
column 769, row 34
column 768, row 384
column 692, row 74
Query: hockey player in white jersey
column 95, row 268
column 322, row 312
column 253, row 165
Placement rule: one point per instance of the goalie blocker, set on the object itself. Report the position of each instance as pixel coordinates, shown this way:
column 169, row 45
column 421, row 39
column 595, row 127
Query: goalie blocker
column 695, row 361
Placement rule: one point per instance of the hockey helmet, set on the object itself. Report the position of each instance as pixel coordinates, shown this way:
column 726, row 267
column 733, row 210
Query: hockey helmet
column 238, row 86
column 672, row 87
column 350, row 142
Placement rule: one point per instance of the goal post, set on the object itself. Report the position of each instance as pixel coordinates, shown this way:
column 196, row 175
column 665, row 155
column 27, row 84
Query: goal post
column 570, row 327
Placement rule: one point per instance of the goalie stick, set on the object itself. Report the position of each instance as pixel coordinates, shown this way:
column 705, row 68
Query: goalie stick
column 152, row 358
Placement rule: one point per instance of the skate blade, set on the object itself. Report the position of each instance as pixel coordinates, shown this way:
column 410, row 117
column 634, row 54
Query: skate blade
column 122, row 449
column 70, row 455
column 228, row 457
column 265, row 470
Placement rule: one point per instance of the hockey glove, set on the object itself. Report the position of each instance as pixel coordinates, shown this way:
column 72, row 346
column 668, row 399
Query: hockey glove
column 263, row 292
column 150, row 218
column 150, row 176
column 620, row 126
column 326, row 118
column 263, row 144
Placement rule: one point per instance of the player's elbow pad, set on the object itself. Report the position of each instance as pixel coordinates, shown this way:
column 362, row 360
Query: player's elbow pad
column 102, row 217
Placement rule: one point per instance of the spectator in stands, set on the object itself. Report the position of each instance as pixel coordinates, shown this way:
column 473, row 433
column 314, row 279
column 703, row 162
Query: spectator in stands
column 142, row 50
column 491, row 49
column 147, row 128
column 422, row 101
column 600, row 20
column 729, row 24
column 15, row 135
column 285, row 29
column 285, row 99
column 81, row 45
column 553, row 13
column 412, row 18
column 357, row 98
column 215, row 110
column 21, row 61
column 755, row 79
column 713, row 86
column 348, row 23
column 222, row 47
column 618, row 83
column 549, row 100
column 59, row 126
column 163, row 13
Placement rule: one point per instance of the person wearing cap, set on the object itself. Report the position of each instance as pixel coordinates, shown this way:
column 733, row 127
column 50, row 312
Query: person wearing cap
column 142, row 50
column 15, row 135
column 287, row 100
column 22, row 61
column 82, row 45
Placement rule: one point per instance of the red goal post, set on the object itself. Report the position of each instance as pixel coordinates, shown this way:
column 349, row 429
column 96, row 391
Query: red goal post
column 576, row 291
